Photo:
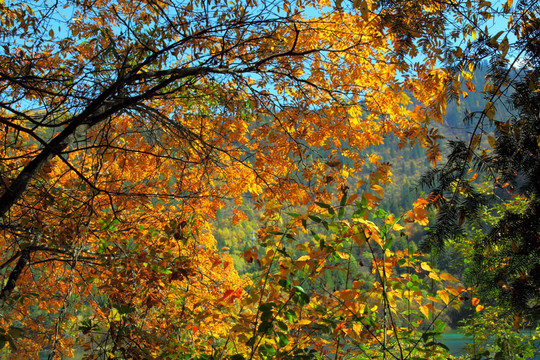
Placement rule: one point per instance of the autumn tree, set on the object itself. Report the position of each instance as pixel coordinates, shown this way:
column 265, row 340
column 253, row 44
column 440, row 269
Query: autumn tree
column 126, row 125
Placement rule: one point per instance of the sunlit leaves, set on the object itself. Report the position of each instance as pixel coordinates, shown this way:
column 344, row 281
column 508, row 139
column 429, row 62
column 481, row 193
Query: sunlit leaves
column 130, row 126
column 353, row 310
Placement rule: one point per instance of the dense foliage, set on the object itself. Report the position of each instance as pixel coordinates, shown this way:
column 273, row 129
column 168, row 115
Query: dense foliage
column 130, row 129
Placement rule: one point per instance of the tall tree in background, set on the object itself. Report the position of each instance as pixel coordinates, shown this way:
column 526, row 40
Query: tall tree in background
column 125, row 126
column 504, row 147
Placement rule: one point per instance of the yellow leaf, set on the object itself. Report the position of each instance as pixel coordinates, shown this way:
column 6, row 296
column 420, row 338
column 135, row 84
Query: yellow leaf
column 433, row 275
column 443, row 294
column 489, row 110
column 304, row 258
column 475, row 141
column 424, row 265
column 378, row 189
column 114, row 315
column 397, row 227
column 342, row 255
column 479, row 308
column 425, row 310
column 492, row 142
column 357, row 329
column 447, row 277
column 361, row 308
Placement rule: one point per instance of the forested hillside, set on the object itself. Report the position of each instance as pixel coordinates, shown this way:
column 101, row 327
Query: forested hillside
column 408, row 164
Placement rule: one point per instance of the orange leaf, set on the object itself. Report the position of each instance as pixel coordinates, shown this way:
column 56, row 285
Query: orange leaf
column 447, row 277
column 475, row 301
column 517, row 322
column 452, row 291
column 352, row 198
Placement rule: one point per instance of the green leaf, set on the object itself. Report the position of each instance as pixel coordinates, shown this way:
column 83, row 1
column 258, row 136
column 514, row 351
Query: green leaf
column 282, row 339
column 267, row 351
column 282, row 325
column 325, row 224
column 323, row 205
column 284, row 283
column 264, row 327
column 15, row 332
column 341, row 212
column 12, row 345
column 251, row 341
column 333, row 227
column 266, row 311
column 342, row 204
column 237, row 357
column 301, row 296
column 364, row 201
column 291, row 316
column 315, row 218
